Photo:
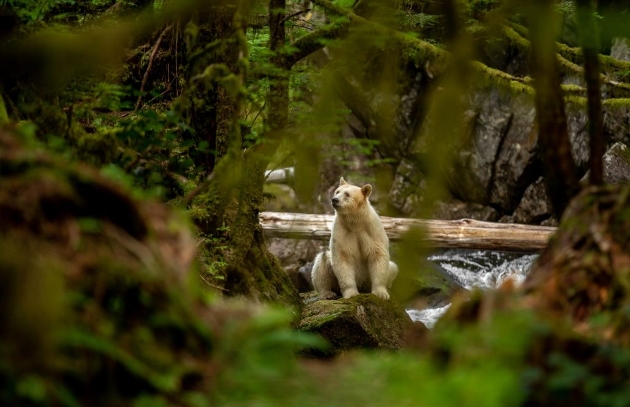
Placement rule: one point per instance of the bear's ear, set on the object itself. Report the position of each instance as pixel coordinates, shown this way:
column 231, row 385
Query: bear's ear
column 366, row 189
column 342, row 182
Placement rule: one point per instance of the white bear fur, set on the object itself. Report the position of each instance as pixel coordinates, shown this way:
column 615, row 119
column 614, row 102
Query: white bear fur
column 358, row 256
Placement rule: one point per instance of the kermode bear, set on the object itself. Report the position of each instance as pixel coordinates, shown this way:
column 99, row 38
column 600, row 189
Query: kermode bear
column 358, row 258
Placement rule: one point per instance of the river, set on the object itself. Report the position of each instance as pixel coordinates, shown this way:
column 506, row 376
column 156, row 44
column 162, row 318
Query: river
column 472, row 269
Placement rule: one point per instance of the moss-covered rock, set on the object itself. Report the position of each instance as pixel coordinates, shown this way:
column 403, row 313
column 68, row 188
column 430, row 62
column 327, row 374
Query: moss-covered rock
column 585, row 270
column 364, row 321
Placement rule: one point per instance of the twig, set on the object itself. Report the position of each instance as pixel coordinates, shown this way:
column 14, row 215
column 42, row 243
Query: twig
column 168, row 88
column 198, row 190
column 151, row 58
column 205, row 280
column 295, row 14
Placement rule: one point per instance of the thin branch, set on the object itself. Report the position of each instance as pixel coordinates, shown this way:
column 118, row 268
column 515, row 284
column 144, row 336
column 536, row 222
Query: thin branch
column 200, row 188
column 295, row 14
column 209, row 284
column 313, row 41
column 150, row 64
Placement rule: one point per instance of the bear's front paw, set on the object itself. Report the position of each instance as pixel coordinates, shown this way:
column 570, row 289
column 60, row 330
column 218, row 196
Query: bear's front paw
column 350, row 292
column 381, row 292
column 328, row 295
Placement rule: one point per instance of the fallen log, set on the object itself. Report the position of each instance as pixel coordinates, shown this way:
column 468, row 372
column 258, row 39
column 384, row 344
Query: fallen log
column 463, row 233
column 279, row 176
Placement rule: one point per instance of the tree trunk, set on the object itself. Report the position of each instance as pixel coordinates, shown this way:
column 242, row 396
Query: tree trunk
column 235, row 193
column 559, row 168
column 589, row 33
column 210, row 108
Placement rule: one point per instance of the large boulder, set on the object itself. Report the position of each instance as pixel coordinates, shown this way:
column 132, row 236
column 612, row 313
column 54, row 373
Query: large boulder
column 499, row 165
column 363, row 321
column 535, row 206
column 616, row 165
column 620, row 49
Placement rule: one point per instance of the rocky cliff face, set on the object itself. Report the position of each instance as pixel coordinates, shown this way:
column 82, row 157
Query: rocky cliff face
column 497, row 170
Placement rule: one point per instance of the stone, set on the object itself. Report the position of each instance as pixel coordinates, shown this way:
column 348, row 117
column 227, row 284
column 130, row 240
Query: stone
column 491, row 119
column 535, row 205
column 616, row 163
column 296, row 257
column 435, row 287
column 620, row 49
column 361, row 322
column 407, row 188
column 457, row 209
column 577, row 123
column 517, row 155
column 616, row 121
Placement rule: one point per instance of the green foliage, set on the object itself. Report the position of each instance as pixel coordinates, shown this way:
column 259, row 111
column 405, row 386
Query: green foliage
column 4, row 117
column 365, row 147
column 566, row 7
column 112, row 323
column 34, row 12
column 155, row 154
column 411, row 20
column 213, row 254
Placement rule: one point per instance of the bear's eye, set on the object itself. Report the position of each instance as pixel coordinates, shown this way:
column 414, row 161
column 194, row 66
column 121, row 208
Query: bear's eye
column 346, row 194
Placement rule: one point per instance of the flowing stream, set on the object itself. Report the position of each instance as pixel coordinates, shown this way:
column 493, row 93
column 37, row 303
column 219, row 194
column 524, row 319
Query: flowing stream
column 475, row 269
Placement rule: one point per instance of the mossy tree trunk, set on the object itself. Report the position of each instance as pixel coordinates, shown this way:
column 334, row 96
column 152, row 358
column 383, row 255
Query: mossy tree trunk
column 251, row 264
column 212, row 54
column 236, row 193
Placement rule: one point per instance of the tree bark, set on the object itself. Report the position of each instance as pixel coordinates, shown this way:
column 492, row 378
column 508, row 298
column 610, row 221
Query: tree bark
column 559, row 169
column 589, row 35
column 210, row 108
column 237, row 172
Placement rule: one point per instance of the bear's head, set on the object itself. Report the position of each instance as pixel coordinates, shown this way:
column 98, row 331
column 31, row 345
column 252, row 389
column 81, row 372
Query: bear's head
column 350, row 197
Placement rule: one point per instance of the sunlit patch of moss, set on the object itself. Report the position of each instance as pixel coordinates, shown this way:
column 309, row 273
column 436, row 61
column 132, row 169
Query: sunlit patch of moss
column 573, row 90
column 495, row 77
column 570, row 60
column 575, row 104
column 619, row 103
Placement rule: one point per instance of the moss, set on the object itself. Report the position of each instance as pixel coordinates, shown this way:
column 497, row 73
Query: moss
column 516, row 38
column 579, row 274
column 495, row 77
column 608, row 65
column 620, row 104
column 97, row 148
column 570, row 59
column 573, row 90
column 4, row 117
column 260, row 276
column 576, row 103
column 363, row 321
